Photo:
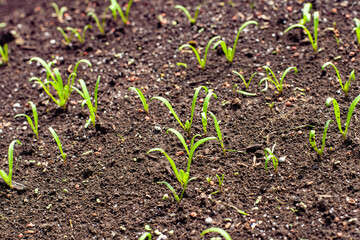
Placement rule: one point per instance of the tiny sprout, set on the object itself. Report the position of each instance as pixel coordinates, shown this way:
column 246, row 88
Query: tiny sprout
column 205, row 110
column 202, row 62
column 115, row 7
column 85, row 94
column 313, row 41
column 59, row 12
column 4, row 54
column 271, row 106
column 220, row 231
column 218, row 131
column 142, row 98
column 98, row 24
column 208, row 179
column 8, row 177
column 337, row 113
column 272, row 78
column 2, row 25
column 306, row 14
column 182, row 64
column 145, row 236
column 74, row 32
column 243, row 79
column 312, row 139
column 191, row 19
column 221, row 180
column 345, row 87
column 270, row 155
column 57, row 140
column 33, row 124
column 357, row 29
column 228, row 51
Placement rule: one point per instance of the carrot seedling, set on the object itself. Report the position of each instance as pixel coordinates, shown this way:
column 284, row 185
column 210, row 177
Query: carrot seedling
column 246, row 83
column 345, row 87
column 228, row 51
column 142, row 98
column 115, row 7
column 188, row 123
column 220, row 231
column 306, row 14
column 33, row 124
column 191, row 19
column 269, row 155
column 57, row 140
column 74, row 32
column 8, row 177
column 201, row 61
column 218, row 131
column 312, row 139
column 272, row 78
column 54, row 79
column 4, row 54
column 85, row 94
column 205, row 109
column 337, row 113
column 98, row 24
column 59, row 12
column 313, row 41
column 182, row 176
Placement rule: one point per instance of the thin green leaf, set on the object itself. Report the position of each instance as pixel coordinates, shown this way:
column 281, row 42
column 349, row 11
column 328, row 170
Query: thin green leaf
column 168, row 105
column 218, row 131
column 181, row 138
column 172, row 190
column 142, row 98
column 220, row 231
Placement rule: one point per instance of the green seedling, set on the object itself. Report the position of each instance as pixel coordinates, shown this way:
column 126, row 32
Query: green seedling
column 115, row 7
column 191, row 19
column 221, row 180
column 101, row 25
column 57, row 140
column 187, row 125
column 208, row 179
column 59, row 12
column 85, row 94
column 345, row 87
column 8, row 177
column 145, row 236
column 271, row 106
column 33, row 124
column 357, row 29
column 269, row 154
column 205, row 110
column 201, row 61
column 54, row 79
column 243, row 79
column 142, row 98
column 74, row 32
column 272, row 78
column 4, row 54
column 182, row 64
column 312, row 139
column 2, row 25
column 313, row 41
column 218, row 131
column 228, row 51
column 306, row 14
column 220, row 231
column 337, row 113
column 182, row 176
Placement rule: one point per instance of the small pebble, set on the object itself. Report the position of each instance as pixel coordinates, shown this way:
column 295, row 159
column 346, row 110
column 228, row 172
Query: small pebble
column 299, row 132
column 308, row 89
column 193, row 214
column 201, row 100
column 21, row 235
column 208, row 220
column 352, row 59
column 334, row 10
column 77, row 186
column 52, row 41
column 227, row 226
column 288, row 103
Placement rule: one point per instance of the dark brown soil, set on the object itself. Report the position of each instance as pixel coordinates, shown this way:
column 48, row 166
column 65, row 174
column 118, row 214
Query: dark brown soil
column 109, row 190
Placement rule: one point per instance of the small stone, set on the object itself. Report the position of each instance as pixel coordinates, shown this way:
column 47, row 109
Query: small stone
column 351, row 201
column 339, row 234
column 352, row 54
column 334, row 10
column 77, row 186
column 147, row 118
column 16, row 105
column 193, row 214
column 227, row 226
column 208, row 220
column 352, row 59
column 341, row 48
column 288, row 104
column 299, row 132
column 289, row 8
column 178, row 74
column 212, row 183
column 282, row 159
column 336, row 220
column 308, row 89
column 30, row 225
column 201, row 100
column 246, row 226
column 20, row 235
column 293, row 48
column 52, row 41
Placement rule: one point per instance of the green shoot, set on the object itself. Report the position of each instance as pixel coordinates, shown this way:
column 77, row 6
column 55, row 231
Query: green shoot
column 218, row 131
column 306, row 14
column 272, row 78
column 205, row 109
column 187, row 125
column 271, row 106
column 115, row 7
column 228, row 51
column 202, row 62
column 270, row 155
column 85, row 94
column 357, row 29
column 221, row 180
column 182, row 64
column 8, row 177
column 337, row 113
column 145, row 236
column 98, row 24
column 2, row 24
column 4, row 54
column 191, row 19
column 243, row 79
column 182, row 176
column 59, row 12
column 312, row 139
column 313, row 41
column 56, row 81
column 345, row 87
column 63, row 155
column 74, row 32
column 220, row 231
column 208, row 179
column 142, row 98
column 33, row 124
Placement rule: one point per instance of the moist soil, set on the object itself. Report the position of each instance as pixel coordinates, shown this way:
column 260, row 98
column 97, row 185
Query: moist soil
column 108, row 188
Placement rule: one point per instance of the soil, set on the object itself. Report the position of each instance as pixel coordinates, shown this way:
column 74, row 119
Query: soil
column 108, row 187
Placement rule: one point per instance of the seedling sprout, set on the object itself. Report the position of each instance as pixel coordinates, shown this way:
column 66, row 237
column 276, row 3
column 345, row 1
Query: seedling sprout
column 59, row 12
column 115, row 7
column 272, row 78
column 8, row 177
column 345, row 87
column 145, row 236
column 247, row 84
column 74, row 32
column 33, row 124
column 269, row 154
column 312, row 139
column 218, row 131
column 57, row 140
column 4, row 54
column 357, row 30
column 306, row 14
column 205, row 109
column 191, row 19
column 142, row 98
column 98, row 24
column 220, row 231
